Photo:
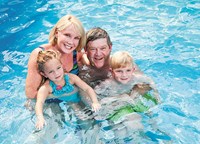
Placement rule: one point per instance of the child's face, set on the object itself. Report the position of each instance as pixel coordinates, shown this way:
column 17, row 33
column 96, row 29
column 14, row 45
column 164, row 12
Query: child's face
column 124, row 74
column 53, row 70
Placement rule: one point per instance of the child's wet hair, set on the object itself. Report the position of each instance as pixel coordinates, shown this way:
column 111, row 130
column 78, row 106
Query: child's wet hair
column 44, row 56
column 121, row 59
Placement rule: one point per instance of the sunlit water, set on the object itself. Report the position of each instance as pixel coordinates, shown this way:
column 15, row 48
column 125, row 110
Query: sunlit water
column 162, row 36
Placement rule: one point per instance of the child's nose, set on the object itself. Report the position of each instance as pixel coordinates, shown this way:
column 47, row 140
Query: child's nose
column 123, row 73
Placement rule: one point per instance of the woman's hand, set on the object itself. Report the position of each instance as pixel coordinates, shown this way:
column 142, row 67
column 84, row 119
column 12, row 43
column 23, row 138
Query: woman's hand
column 40, row 122
column 96, row 106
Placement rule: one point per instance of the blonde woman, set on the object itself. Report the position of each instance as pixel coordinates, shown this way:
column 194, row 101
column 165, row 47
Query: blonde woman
column 67, row 37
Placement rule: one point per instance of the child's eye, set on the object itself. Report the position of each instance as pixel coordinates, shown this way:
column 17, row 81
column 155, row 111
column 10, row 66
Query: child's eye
column 50, row 72
column 118, row 71
column 59, row 67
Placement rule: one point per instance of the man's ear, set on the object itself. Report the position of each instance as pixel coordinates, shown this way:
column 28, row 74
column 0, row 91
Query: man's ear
column 111, row 71
column 85, row 49
column 110, row 46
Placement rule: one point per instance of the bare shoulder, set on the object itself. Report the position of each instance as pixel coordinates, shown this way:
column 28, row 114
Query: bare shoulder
column 71, row 75
column 35, row 51
column 73, row 78
column 46, row 86
column 84, row 59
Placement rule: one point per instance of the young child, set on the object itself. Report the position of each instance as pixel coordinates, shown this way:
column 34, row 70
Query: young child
column 125, row 92
column 125, row 79
column 58, row 85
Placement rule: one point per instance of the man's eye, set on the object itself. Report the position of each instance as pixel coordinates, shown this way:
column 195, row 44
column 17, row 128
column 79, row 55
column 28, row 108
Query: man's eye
column 92, row 49
column 103, row 48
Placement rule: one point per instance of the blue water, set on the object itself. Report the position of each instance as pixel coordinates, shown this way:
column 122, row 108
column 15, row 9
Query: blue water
column 162, row 36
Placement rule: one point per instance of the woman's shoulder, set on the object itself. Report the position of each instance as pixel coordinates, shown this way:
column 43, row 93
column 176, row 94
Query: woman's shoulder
column 41, row 47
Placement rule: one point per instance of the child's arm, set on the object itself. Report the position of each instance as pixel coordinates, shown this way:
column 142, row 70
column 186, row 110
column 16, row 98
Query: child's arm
column 143, row 85
column 85, row 87
column 43, row 92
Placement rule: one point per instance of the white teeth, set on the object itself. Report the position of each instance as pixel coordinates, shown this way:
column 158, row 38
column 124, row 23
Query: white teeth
column 68, row 47
column 98, row 58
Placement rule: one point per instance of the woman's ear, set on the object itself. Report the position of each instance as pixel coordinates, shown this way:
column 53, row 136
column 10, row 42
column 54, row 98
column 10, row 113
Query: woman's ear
column 56, row 33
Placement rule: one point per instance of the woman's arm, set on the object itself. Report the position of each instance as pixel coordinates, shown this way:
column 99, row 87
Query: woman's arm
column 74, row 79
column 33, row 79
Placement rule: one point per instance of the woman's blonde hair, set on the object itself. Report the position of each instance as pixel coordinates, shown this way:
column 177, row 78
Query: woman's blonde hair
column 65, row 22
column 44, row 56
column 121, row 59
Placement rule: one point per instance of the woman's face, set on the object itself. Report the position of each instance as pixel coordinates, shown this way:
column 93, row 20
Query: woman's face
column 68, row 39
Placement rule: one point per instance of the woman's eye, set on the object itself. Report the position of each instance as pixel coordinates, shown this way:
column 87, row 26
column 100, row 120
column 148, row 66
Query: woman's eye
column 77, row 38
column 67, row 35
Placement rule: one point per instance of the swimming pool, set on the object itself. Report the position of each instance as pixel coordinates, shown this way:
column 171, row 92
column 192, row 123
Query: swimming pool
column 162, row 36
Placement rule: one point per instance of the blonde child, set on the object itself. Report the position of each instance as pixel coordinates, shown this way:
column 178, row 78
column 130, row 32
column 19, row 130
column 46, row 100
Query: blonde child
column 125, row 79
column 124, row 94
column 58, row 85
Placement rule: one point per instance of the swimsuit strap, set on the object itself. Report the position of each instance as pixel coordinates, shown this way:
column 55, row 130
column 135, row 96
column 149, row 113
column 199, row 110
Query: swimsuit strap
column 42, row 47
column 75, row 69
column 67, row 88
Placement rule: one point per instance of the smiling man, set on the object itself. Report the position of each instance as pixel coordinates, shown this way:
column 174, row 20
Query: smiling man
column 95, row 63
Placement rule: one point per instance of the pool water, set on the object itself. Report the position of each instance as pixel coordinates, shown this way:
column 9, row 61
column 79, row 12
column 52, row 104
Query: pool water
column 162, row 36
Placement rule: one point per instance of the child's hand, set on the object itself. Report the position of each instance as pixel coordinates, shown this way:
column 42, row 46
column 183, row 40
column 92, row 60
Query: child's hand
column 142, row 88
column 40, row 122
column 96, row 106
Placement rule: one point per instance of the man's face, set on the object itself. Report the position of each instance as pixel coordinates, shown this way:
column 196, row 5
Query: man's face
column 98, row 52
